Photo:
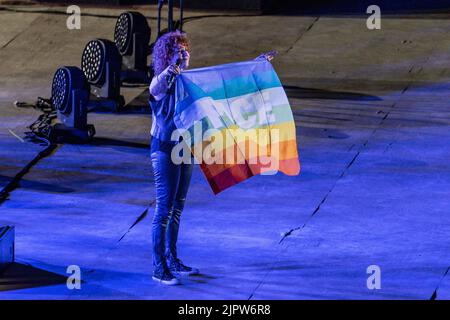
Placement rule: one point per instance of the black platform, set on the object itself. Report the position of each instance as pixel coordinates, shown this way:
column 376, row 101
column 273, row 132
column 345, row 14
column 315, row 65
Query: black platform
column 6, row 247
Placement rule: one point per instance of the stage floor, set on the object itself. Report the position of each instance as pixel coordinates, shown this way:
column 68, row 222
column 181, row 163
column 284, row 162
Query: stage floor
column 373, row 130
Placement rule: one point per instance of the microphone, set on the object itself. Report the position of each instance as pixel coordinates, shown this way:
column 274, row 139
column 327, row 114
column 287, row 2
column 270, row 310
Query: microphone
column 173, row 76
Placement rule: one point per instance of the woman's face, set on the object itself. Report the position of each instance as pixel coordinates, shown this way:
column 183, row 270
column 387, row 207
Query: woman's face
column 180, row 52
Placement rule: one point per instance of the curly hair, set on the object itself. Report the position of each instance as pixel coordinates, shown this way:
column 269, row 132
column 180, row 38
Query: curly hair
column 164, row 49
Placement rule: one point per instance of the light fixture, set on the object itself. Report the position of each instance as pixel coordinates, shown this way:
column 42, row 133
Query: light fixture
column 101, row 64
column 132, row 38
column 70, row 98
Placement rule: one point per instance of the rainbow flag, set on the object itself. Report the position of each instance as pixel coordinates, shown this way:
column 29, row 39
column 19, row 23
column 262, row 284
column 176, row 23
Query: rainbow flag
column 236, row 121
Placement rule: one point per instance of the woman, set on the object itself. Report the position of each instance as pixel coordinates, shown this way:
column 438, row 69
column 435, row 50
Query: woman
column 171, row 180
column 170, row 57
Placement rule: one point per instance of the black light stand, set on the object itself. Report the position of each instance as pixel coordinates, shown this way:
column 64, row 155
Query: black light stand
column 171, row 25
column 170, row 15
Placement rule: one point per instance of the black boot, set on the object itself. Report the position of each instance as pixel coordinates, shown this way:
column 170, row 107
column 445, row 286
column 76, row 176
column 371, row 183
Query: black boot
column 164, row 276
column 176, row 266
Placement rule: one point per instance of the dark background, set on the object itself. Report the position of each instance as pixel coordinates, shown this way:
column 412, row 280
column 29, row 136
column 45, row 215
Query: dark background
column 293, row 6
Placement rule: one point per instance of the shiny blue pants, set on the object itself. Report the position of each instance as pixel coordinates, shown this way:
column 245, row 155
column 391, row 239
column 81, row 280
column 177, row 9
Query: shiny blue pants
column 172, row 183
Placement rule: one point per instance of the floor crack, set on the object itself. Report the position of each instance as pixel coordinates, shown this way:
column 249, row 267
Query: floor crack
column 302, row 34
column 17, row 35
column 14, row 183
column 434, row 295
column 317, row 209
column 139, row 219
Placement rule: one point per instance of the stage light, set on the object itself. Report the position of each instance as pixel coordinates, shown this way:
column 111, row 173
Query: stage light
column 70, row 98
column 132, row 37
column 101, row 64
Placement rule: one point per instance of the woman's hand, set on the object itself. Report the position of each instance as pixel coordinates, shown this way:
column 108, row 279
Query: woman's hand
column 268, row 56
column 158, row 86
column 170, row 70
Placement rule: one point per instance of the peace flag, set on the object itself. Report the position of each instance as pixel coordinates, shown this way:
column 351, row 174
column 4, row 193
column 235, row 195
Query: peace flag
column 237, row 122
